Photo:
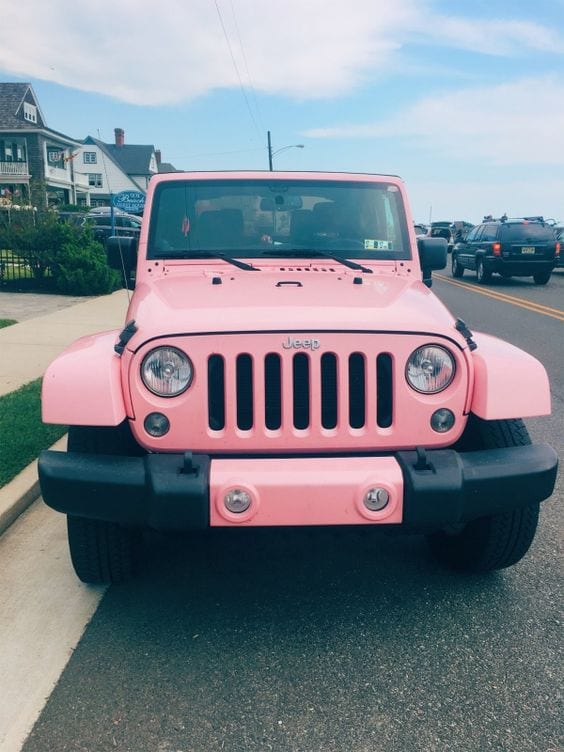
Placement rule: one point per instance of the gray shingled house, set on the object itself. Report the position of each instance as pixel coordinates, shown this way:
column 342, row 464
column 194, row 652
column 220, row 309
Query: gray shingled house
column 36, row 162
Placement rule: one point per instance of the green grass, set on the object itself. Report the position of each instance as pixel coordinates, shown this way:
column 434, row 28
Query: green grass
column 7, row 322
column 22, row 434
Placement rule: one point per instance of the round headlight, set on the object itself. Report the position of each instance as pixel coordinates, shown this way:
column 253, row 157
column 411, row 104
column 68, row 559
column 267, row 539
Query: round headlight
column 167, row 371
column 430, row 369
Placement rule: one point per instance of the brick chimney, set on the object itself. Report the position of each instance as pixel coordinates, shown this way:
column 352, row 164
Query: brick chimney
column 158, row 156
column 120, row 136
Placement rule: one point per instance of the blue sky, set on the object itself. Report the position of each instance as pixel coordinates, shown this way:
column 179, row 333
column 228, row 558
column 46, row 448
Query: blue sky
column 464, row 100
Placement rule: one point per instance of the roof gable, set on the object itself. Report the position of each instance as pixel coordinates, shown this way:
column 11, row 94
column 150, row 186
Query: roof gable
column 12, row 98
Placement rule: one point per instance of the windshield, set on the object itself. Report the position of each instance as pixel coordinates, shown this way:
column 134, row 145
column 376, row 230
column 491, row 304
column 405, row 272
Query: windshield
column 250, row 218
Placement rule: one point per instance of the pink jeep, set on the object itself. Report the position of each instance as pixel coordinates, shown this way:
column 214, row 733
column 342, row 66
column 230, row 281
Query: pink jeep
column 284, row 362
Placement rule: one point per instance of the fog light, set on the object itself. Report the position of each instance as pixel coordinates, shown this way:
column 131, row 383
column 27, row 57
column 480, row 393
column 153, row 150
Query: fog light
column 376, row 499
column 442, row 420
column 156, row 424
column 237, row 500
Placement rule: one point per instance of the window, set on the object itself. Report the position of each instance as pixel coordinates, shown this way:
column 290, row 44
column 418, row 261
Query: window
column 473, row 234
column 30, row 112
column 95, row 179
column 527, row 232
column 489, row 234
column 56, row 157
column 90, row 157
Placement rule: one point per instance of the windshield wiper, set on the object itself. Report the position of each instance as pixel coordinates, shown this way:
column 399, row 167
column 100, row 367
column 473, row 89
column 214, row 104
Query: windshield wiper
column 212, row 255
column 305, row 252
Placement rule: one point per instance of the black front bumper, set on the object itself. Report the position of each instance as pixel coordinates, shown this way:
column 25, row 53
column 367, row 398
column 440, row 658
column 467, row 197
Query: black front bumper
column 171, row 491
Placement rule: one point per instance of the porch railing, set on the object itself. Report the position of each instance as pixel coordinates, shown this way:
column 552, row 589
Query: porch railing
column 14, row 168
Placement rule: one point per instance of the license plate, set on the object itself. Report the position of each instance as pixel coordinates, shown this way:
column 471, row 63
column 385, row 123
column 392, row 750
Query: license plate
column 528, row 249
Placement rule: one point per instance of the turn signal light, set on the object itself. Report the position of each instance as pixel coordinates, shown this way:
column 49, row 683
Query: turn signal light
column 557, row 250
column 496, row 249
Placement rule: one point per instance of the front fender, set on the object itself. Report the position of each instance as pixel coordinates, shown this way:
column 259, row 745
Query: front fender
column 508, row 382
column 83, row 385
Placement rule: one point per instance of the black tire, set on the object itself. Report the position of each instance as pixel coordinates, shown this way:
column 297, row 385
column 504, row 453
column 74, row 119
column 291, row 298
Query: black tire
column 500, row 540
column 484, row 276
column 541, row 278
column 456, row 268
column 102, row 552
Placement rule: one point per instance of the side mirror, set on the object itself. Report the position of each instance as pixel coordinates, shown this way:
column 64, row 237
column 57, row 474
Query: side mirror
column 122, row 253
column 432, row 255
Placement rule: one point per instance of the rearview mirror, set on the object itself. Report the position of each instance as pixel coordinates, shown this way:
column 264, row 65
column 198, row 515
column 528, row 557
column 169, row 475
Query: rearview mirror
column 281, row 203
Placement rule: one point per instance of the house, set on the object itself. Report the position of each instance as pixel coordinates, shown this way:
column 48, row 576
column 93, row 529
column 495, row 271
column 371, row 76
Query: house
column 111, row 168
column 36, row 162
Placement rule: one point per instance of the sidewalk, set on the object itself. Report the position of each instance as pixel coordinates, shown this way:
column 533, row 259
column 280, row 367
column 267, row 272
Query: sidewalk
column 26, row 349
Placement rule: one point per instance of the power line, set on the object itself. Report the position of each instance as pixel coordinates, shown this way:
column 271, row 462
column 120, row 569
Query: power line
column 236, row 68
column 251, row 85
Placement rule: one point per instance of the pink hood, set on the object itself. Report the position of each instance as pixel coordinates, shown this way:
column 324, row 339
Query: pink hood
column 191, row 300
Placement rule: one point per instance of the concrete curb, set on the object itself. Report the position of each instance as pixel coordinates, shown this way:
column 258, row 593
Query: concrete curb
column 17, row 495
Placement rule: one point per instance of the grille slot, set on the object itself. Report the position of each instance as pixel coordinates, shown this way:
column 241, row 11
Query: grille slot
column 244, row 377
column 385, row 398
column 357, row 390
column 329, row 393
column 216, row 392
column 300, row 375
column 273, row 391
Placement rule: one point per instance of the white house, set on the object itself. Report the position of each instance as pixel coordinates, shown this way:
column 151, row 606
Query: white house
column 111, row 168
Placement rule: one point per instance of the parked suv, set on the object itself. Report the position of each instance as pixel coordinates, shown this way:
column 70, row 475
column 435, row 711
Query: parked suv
column 283, row 363
column 510, row 247
column 125, row 225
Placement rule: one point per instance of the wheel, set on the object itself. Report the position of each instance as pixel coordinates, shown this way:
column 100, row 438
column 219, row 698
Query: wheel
column 499, row 540
column 457, row 269
column 484, row 276
column 541, row 278
column 102, row 552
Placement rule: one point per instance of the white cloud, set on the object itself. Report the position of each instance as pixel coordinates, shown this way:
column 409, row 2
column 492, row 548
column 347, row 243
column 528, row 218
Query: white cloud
column 493, row 37
column 521, row 122
column 154, row 53
column 150, row 53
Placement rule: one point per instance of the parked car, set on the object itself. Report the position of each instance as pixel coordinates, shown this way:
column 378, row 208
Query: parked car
column 125, row 225
column 305, row 376
column 525, row 247
column 420, row 230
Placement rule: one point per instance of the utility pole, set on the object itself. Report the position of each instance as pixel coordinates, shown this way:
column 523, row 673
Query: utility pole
column 269, row 151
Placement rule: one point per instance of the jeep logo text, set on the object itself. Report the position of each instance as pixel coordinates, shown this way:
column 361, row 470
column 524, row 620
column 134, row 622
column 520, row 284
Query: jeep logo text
column 301, row 344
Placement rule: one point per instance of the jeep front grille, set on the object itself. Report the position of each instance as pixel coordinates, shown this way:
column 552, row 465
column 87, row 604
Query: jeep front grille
column 300, row 391
column 252, row 393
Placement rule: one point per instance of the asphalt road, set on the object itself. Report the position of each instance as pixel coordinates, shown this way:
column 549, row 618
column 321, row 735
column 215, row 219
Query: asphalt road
column 309, row 641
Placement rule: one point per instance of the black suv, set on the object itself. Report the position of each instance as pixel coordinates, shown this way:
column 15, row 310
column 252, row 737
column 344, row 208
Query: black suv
column 511, row 247
column 125, row 225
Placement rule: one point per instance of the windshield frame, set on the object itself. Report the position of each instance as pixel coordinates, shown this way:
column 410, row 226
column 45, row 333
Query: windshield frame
column 276, row 184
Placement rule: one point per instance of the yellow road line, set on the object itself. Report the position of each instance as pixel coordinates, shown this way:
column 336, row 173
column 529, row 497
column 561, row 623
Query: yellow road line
column 554, row 313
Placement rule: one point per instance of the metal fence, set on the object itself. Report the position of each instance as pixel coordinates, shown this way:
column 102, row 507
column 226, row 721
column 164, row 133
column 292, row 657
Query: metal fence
column 17, row 273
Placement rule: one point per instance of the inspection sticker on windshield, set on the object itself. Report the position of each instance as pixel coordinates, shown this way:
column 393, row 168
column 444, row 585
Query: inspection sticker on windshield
column 377, row 245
